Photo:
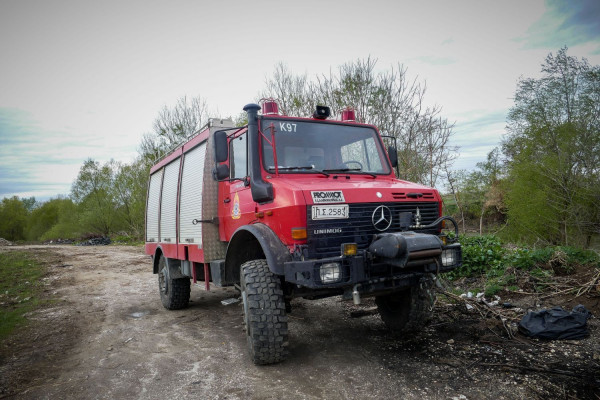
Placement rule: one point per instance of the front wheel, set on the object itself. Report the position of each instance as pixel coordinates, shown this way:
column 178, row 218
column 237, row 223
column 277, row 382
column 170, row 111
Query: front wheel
column 410, row 309
column 264, row 313
column 174, row 293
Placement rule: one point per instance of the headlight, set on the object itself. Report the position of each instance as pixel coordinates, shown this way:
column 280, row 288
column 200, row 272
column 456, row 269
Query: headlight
column 330, row 273
column 449, row 257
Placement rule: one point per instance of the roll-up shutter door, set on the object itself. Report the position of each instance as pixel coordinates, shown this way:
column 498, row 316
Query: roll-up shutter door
column 152, row 207
column 191, row 196
column 168, row 205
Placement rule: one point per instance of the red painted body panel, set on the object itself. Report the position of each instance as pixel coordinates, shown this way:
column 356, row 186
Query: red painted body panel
column 194, row 253
column 169, row 249
column 292, row 195
column 150, row 248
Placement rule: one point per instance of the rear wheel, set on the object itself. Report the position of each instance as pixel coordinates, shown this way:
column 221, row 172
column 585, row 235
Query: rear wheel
column 410, row 309
column 264, row 313
column 174, row 293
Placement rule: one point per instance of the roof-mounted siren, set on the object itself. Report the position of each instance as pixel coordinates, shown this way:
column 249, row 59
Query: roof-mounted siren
column 348, row 114
column 322, row 112
column 270, row 107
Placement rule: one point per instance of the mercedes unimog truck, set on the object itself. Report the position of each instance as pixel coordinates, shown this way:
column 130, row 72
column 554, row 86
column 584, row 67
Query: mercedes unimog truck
column 288, row 207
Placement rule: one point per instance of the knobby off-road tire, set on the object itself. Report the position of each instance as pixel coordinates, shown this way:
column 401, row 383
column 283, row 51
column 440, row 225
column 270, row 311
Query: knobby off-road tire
column 264, row 313
column 408, row 310
column 174, row 293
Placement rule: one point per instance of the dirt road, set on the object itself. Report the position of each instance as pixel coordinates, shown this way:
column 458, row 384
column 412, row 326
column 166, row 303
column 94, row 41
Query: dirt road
column 107, row 336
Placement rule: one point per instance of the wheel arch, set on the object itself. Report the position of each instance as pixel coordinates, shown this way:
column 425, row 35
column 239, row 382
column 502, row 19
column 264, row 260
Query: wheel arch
column 252, row 242
column 173, row 264
column 155, row 259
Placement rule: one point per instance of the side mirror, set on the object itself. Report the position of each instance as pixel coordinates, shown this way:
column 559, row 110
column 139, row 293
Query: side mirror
column 220, row 172
column 393, row 153
column 221, row 147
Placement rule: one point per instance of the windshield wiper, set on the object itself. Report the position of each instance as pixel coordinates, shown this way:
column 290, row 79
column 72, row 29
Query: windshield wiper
column 350, row 170
column 306, row 167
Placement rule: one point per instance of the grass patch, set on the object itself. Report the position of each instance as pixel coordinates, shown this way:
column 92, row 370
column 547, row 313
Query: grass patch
column 20, row 287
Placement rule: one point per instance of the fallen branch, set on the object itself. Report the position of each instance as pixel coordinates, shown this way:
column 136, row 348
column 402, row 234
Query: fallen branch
column 483, row 309
column 588, row 286
column 534, row 369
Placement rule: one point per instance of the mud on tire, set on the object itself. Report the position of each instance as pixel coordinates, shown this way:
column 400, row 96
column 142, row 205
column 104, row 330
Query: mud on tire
column 264, row 313
column 174, row 293
column 408, row 310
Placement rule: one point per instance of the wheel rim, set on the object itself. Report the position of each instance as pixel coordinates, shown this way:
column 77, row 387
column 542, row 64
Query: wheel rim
column 162, row 281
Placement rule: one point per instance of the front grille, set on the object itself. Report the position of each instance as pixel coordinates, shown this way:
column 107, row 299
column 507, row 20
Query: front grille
column 403, row 195
column 326, row 236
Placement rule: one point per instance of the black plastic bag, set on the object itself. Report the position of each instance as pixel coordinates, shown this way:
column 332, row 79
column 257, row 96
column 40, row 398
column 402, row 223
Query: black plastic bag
column 556, row 323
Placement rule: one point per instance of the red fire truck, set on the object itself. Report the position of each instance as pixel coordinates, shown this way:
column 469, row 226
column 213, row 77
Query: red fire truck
column 291, row 207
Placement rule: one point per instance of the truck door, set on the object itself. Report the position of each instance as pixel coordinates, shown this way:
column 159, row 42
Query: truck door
column 239, row 208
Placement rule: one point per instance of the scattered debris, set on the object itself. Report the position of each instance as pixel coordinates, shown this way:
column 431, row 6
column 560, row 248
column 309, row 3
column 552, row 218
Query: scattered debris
column 99, row 241
column 363, row 312
column 60, row 241
column 4, row 242
column 488, row 308
column 140, row 314
column 227, row 302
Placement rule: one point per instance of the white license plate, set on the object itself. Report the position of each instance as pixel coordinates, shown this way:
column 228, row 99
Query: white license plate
column 339, row 211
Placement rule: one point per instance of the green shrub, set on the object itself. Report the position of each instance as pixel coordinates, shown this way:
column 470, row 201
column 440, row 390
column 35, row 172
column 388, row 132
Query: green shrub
column 486, row 257
column 492, row 289
column 480, row 255
column 560, row 259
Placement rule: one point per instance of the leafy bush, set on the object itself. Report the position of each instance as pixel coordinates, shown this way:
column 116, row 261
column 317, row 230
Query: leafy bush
column 492, row 289
column 560, row 259
column 480, row 255
column 486, row 257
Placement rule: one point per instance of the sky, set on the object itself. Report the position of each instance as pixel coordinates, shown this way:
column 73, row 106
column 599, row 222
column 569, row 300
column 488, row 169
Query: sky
column 83, row 79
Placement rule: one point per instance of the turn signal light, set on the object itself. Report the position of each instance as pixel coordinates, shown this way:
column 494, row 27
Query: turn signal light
column 299, row 233
column 349, row 249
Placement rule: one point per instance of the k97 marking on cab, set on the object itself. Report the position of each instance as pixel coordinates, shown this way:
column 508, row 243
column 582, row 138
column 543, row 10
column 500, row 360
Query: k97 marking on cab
column 287, row 127
column 338, row 211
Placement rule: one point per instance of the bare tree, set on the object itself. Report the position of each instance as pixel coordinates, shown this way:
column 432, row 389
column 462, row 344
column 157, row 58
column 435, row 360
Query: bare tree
column 173, row 125
column 292, row 92
column 454, row 191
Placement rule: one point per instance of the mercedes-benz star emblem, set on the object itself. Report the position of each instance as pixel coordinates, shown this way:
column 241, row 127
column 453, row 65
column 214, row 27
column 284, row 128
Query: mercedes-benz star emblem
column 382, row 218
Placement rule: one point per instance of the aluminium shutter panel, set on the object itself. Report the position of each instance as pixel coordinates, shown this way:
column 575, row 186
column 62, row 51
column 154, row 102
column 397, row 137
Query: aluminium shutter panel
column 168, row 205
column 213, row 247
column 152, row 206
column 191, row 196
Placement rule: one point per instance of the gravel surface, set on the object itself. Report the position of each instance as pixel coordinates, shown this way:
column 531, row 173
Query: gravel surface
column 106, row 336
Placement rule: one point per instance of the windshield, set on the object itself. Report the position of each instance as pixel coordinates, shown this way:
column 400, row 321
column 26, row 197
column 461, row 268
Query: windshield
column 310, row 147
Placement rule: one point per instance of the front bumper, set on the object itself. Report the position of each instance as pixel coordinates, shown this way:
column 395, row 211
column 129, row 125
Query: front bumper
column 372, row 270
